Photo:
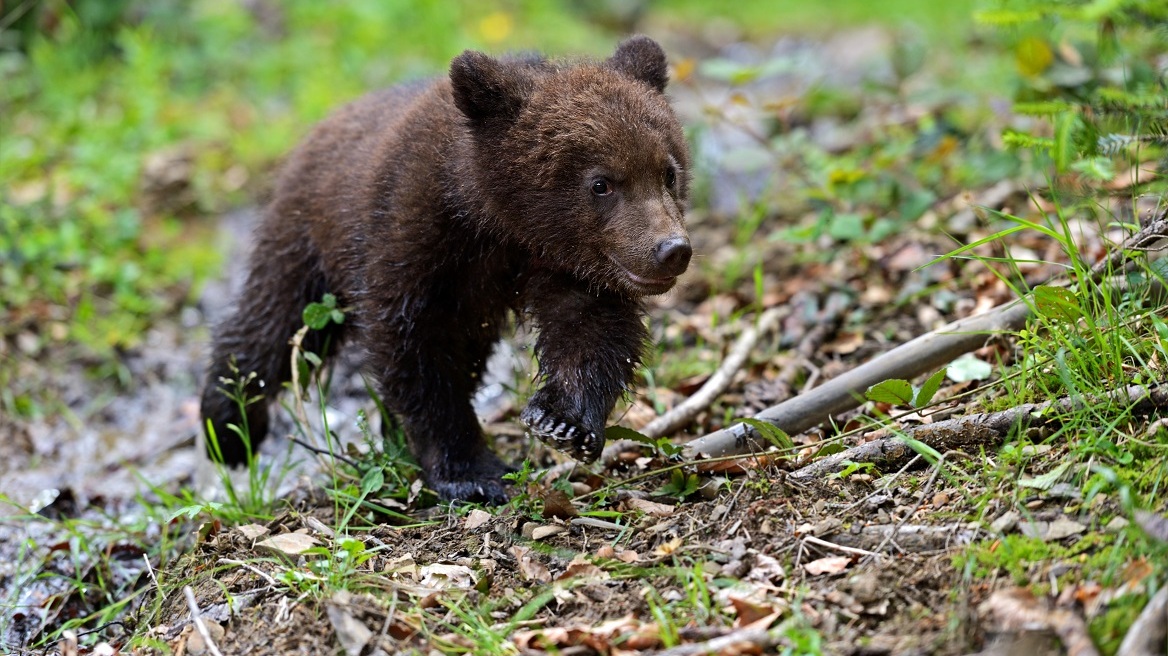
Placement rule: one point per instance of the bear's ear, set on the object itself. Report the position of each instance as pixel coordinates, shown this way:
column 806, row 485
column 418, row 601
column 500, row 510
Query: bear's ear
column 642, row 59
column 485, row 88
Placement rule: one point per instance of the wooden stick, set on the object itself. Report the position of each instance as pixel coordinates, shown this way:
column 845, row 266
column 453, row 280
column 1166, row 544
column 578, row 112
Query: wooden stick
column 684, row 412
column 922, row 355
column 197, row 618
column 985, row 429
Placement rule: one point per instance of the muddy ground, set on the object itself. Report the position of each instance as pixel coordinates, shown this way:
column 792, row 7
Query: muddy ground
column 867, row 562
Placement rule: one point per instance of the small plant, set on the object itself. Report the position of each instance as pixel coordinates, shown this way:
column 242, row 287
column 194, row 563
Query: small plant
column 901, row 392
column 256, row 500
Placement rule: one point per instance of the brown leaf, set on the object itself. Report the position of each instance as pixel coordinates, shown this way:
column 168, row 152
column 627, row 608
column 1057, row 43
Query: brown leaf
column 581, row 568
column 557, row 504
column 749, row 611
column 443, row 576
column 829, row 565
column 650, row 507
column 287, row 544
column 531, row 569
column 253, row 531
column 475, row 519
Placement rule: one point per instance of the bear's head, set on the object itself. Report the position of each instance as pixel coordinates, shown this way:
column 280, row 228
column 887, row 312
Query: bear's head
column 584, row 165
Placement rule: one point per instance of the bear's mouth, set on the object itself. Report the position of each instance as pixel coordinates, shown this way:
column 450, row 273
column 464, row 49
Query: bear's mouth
column 645, row 284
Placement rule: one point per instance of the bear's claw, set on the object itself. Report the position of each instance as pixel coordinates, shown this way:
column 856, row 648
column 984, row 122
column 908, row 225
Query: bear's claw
column 562, row 435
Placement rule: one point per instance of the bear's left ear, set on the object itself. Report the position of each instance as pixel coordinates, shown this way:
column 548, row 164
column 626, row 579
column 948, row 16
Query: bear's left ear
column 641, row 58
column 485, row 89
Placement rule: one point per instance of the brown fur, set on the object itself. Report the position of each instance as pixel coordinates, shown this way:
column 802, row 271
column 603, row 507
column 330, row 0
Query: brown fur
column 432, row 210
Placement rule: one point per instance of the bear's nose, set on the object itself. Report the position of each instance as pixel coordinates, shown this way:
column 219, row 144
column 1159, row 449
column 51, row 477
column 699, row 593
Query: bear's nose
column 673, row 255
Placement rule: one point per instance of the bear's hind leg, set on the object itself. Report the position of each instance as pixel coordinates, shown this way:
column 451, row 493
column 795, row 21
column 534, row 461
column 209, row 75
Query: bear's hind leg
column 255, row 340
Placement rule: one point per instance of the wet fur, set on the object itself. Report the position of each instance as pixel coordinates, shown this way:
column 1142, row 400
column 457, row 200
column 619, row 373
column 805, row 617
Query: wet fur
column 434, row 210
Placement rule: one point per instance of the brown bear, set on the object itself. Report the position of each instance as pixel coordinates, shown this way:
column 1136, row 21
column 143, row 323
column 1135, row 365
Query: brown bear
column 432, row 210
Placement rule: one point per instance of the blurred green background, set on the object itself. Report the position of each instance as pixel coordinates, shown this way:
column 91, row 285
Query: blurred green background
column 127, row 127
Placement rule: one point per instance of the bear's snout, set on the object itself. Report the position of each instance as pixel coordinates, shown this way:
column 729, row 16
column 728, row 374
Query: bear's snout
column 673, row 255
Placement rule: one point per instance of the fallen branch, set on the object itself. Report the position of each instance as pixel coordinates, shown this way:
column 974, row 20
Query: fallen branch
column 1148, row 635
column 922, row 355
column 684, row 412
column 736, row 642
column 983, row 430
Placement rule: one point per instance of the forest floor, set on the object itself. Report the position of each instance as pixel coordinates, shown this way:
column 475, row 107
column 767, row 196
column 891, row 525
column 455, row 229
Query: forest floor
column 118, row 535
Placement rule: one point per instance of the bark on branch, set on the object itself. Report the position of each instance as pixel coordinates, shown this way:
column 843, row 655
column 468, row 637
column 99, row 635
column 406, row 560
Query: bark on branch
column 986, row 429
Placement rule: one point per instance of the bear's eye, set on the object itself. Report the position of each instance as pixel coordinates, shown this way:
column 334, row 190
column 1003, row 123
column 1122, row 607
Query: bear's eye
column 601, row 187
column 670, row 177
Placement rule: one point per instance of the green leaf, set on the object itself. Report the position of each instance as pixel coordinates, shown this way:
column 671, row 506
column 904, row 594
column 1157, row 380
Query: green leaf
column 1056, row 303
column 770, row 433
column 1047, row 480
column 1099, row 169
column 927, row 391
column 846, row 227
column 830, row 449
column 623, row 433
column 1065, row 126
column 967, row 368
column 317, row 315
column 851, row 467
column 894, row 391
column 680, row 485
column 372, row 481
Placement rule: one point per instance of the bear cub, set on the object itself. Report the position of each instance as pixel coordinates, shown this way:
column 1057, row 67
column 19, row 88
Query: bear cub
column 432, row 210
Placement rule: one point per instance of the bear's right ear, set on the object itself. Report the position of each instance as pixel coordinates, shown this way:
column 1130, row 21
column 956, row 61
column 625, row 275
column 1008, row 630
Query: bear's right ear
column 485, row 88
column 641, row 58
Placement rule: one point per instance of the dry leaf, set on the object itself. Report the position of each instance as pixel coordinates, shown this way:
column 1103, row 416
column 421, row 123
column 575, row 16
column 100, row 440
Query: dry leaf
column 445, row 577
column 666, row 548
column 287, row 544
column 581, row 568
column 402, row 565
column 351, row 632
column 531, row 569
column 253, row 531
column 557, row 504
column 749, row 611
column 628, row 556
column 650, row 507
column 830, row 565
column 475, row 519
column 542, row 532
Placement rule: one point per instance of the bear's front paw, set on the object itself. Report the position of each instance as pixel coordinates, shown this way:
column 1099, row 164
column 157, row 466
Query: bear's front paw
column 562, row 433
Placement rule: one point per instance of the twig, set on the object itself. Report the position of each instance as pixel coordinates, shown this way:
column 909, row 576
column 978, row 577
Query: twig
column 985, row 429
column 197, row 618
column 757, row 638
column 920, row 502
column 838, row 547
column 1148, row 635
column 684, row 412
column 150, row 571
column 323, row 452
column 919, row 356
column 254, row 570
